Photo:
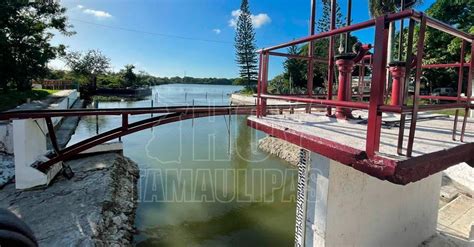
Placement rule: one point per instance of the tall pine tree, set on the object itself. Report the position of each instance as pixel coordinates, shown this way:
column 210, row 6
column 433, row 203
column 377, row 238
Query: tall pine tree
column 245, row 46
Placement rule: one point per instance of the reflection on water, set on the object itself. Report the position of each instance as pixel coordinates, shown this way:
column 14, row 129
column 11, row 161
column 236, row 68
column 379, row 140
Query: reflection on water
column 203, row 182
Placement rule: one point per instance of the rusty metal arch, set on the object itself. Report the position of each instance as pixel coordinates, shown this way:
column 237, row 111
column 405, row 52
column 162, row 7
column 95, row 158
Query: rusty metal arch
column 170, row 115
column 77, row 148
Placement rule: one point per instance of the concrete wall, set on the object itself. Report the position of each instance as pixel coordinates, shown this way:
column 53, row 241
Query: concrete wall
column 66, row 103
column 6, row 128
column 29, row 144
column 349, row 208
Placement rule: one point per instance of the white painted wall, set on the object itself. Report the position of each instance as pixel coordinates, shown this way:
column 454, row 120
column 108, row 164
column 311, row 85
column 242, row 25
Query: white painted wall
column 66, row 103
column 6, row 128
column 29, row 145
column 350, row 208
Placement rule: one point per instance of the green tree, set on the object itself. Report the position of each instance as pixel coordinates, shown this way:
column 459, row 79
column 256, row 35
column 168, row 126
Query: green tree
column 129, row 77
column 323, row 24
column 245, row 46
column 26, row 29
column 295, row 69
column 378, row 8
column 381, row 7
column 441, row 47
column 89, row 64
column 321, row 47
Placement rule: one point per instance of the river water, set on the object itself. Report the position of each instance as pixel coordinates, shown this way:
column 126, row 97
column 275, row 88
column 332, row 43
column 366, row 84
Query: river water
column 204, row 182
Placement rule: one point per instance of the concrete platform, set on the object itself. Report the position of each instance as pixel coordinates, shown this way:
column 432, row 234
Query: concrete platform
column 457, row 217
column 344, row 141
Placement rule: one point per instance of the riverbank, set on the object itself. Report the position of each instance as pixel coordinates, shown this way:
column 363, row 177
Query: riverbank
column 14, row 98
column 95, row 208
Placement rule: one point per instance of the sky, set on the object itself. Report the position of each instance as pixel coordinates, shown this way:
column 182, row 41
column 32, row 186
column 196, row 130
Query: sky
column 187, row 37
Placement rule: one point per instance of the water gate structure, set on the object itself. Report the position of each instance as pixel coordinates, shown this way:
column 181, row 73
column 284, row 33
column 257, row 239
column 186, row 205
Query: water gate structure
column 364, row 180
column 358, row 184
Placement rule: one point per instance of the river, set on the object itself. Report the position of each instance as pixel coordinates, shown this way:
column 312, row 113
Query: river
column 204, row 182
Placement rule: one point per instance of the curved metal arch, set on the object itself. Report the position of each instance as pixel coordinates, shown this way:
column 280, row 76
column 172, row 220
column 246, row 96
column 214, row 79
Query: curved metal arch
column 86, row 144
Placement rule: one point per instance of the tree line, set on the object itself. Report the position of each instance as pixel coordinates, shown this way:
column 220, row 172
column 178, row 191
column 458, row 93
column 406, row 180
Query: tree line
column 26, row 30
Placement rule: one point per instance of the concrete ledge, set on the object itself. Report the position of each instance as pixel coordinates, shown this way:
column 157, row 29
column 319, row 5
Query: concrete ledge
column 95, row 208
column 344, row 141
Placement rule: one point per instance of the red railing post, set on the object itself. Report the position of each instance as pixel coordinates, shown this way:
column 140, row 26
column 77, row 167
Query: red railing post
column 469, row 92
column 311, row 51
column 408, row 66
column 259, row 84
column 345, row 65
column 397, row 70
column 264, row 86
column 331, row 55
column 377, row 86
column 416, row 97
column 361, row 86
column 460, row 78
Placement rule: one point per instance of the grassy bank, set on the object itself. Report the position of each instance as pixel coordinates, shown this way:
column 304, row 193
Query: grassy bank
column 11, row 99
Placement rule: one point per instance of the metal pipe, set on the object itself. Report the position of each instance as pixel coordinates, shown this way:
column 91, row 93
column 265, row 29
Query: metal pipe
column 264, row 84
column 444, row 66
column 348, row 23
column 460, row 77
column 351, row 28
column 333, row 103
column 400, row 38
column 436, row 24
column 469, row 93
column 374, row 122
column 438, row 97
column 331, row 54
column 279, row 54
column 151, row 103
column 408, row 67
column 124, row 121
column 259, row 84
column 32, row 114
column 52, row 135
column 310, row 75
column 416, row 98
column 441, row 106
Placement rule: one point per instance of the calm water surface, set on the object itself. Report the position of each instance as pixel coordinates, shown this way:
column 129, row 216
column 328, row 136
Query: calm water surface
column 203, row 182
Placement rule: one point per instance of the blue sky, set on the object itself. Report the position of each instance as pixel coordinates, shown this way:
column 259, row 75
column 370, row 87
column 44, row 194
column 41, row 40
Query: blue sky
column 192, row 37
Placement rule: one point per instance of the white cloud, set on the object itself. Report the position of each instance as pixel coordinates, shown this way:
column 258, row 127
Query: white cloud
column 257, row 20
column 260, row 20
column 217, row 31
column 99, row 14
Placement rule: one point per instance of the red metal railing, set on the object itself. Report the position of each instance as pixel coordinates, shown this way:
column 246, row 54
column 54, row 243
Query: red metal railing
column 379, row 83
column 169, row 115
